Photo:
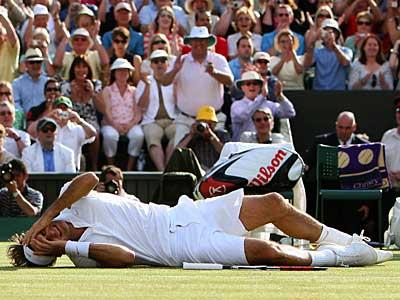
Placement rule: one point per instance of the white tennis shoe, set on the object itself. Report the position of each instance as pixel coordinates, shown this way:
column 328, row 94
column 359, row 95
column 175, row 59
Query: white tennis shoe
column 383, row 256
column 358, row 253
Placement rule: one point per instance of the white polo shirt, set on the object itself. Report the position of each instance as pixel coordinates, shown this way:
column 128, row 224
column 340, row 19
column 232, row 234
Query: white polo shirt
column 195, row 87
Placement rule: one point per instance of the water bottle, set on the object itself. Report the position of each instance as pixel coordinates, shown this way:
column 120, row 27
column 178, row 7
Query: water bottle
column 141, row 161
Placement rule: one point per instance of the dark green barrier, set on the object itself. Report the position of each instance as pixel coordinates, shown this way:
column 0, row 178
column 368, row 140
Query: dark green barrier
column 9, row 226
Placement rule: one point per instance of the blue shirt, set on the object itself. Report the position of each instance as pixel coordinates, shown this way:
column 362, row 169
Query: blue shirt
column 135, row 42
column 149, row 13
column 268, row 39
column 329, row 73
column 236, row 68
column 28, row 93
column 48, row 160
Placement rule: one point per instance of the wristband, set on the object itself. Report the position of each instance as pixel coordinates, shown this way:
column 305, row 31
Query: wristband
column 17, row 139
column 77, row 248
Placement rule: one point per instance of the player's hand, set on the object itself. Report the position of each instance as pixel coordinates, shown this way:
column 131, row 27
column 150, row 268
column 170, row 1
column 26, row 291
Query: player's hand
column 36, row 228
column 42, row 246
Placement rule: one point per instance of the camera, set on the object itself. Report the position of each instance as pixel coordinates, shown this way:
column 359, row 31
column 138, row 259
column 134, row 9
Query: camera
column 63, row 114
column 236, row 4
column 111, row 187
column 6, row 173
column 395, row 4
column 201, row 126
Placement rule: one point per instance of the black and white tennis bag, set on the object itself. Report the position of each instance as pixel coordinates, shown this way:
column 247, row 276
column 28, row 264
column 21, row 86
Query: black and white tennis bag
column 276, row 167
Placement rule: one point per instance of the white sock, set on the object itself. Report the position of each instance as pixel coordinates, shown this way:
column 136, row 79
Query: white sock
column 334, row 236
column 323, row 258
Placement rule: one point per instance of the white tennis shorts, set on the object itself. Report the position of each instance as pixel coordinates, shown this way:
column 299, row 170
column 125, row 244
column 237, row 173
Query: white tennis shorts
column 209, row 231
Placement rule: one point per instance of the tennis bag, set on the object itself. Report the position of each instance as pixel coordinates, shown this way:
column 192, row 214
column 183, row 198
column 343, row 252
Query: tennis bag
column 272, row 168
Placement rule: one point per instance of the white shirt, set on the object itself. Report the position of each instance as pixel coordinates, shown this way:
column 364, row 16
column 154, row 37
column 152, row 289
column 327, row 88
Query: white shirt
column 73, row 136
column 143, row 228
column 391, row 139
column 11, row 145
column 195, row 87
column 154, row 101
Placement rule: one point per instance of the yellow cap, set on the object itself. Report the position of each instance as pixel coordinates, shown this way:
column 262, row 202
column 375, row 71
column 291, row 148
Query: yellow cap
column 206, row 112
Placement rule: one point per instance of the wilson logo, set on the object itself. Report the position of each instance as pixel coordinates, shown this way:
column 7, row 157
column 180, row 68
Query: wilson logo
column 265, row 174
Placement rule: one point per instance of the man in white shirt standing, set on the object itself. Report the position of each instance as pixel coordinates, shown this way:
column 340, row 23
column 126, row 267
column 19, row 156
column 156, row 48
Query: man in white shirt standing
column 199, row 77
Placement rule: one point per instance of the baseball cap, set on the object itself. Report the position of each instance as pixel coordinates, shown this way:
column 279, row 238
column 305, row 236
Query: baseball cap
column 62, row 100
column 46, row 122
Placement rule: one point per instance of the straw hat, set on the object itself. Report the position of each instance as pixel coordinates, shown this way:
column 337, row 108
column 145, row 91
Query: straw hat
column 249, row 76
column 286, row 32
column 188, row 5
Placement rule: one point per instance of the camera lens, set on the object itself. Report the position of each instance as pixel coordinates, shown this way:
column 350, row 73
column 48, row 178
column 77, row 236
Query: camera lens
column 111, row 187
column 201, row 127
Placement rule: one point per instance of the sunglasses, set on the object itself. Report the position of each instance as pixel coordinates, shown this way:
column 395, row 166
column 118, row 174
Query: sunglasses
column 324, row 16
column 47, row 129
column 35, row 62
column 283, row 15
column 367, row 23
column 265, row 119
column 248, row 83
column 374, row 80
column 117, row 41
column 262, row 61
column 80, row 39
column 52, row 89
column 5, row 94
column 158, row 60
column 159, row 42
column 5, row 113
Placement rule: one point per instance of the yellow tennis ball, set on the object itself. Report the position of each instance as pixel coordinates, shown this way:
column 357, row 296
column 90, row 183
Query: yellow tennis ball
column 343, row 159
column 365, row 156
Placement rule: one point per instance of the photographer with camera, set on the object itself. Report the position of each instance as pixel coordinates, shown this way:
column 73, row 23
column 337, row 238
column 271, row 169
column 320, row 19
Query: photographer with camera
column 17, row 198
column 111, row 181
column 204, row 139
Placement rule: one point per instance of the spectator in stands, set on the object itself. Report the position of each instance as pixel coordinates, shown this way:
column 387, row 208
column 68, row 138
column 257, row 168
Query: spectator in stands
column 283, row 18
column 111, row 180
column 201, row 74
column 263, row 123
column 245, row 22
column 28, row 88
column 351, row 11
column 6, row 95
column 331, row 61
column 324, row 12
column 123, row 16
column 52, row 91
column 119, row 49
column 255, row 92
column 203, row 18
column 394, row 60
column 365, row 22
column 81, row 43
column 9, row 47
column 122, row 114
column 392, row 21
column 84, row 93
column 224, row 25
column 370, row 71
column 157, row 42
column 16, row 140
column 73, row 131
column 166, row 24
column 200, row 6
column 159, row 111
column 204, row 139
column 17, row 11
column 17, row 198
column 244, row 57
column 288, row 66
column 149, row 12
column 5, row 156
column 261, row 61
column 107, row 16
column 46, row 155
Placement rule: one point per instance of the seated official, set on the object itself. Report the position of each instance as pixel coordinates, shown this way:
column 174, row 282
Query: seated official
column 17, row 198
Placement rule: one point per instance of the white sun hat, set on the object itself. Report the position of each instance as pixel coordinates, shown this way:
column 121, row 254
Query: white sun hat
column 121, row 63
column 249, row 76
column 200, row 32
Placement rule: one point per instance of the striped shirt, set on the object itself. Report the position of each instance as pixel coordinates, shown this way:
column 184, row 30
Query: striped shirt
column 10, row 208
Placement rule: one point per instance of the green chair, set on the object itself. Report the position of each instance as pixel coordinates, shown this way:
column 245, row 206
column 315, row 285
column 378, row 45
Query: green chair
column 328, row 182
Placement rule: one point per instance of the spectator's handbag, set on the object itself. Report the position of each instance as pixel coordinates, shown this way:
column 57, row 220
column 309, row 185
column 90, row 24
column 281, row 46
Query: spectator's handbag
column 268, row 168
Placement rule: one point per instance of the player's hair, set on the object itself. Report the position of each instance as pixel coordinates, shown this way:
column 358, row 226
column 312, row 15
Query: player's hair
column 16, row 254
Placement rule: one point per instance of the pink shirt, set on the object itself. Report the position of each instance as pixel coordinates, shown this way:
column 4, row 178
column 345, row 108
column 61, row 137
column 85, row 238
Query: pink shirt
column 123, row 107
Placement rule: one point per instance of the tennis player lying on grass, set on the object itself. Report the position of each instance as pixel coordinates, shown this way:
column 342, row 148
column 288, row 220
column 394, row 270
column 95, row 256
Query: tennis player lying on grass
column 103, row 230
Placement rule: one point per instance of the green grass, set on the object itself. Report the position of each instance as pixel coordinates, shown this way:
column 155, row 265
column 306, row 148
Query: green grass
column 66, row 282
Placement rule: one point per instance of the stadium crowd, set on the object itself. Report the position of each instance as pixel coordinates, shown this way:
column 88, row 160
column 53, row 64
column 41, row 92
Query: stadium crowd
column 79, row 77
